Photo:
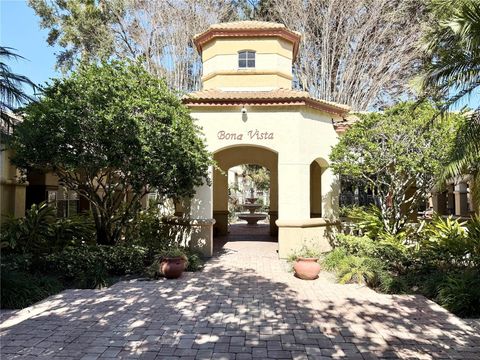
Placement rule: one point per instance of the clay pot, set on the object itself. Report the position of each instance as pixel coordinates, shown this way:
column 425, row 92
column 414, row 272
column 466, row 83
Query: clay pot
column 172, row 268
column 307, row 268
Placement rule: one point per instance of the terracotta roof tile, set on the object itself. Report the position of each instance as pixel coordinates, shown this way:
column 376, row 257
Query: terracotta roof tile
column 248, row 25
column 248, row 29
column 274, row 97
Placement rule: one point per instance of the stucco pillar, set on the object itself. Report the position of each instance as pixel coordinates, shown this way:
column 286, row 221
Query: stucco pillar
column 201, row 221
column 330, row 194
column 220, row 199
column 461, row 199
column 293, row 191
column 439, row 203
column 475, row 205
column 450, row 200
column 273, row 212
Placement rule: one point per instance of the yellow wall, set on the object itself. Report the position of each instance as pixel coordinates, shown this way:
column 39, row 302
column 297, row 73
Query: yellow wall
column 273, row 64
column 247, row 80
column 12, row 190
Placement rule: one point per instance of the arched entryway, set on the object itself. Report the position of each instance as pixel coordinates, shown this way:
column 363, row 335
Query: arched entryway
column 229, row 157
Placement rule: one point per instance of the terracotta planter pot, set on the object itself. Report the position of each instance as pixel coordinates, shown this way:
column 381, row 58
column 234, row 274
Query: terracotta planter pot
column 172, row 268
column 307, row 268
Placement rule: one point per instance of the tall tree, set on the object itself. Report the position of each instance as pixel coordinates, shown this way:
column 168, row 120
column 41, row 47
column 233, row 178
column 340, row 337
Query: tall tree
column 452, row 70
column 160, row 33
column 361, row 53
column 12, row 90
column 112, row 132
column 391, row 153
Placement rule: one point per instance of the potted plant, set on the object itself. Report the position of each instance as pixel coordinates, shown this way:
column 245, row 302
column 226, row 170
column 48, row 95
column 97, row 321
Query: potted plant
column 173, row 262
column 305, row 263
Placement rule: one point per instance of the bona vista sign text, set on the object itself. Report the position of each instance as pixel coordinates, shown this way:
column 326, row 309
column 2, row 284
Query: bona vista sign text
column 250, row 135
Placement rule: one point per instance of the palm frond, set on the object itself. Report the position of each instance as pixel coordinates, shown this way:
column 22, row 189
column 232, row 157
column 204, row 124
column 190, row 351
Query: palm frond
column 11, row 84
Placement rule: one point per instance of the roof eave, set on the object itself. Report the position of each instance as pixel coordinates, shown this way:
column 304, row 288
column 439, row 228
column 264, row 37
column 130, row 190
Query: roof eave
column 192, row 102
column 283, row 33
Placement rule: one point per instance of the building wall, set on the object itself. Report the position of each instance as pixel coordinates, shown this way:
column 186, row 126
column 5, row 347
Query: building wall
column 273, row 64
column 298, row 135
column 12, row 190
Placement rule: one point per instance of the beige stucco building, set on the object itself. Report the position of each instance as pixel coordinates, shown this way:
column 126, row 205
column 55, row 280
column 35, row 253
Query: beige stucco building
column 250, row 115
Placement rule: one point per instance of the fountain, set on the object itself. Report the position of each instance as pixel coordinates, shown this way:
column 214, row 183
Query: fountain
column 252, row 217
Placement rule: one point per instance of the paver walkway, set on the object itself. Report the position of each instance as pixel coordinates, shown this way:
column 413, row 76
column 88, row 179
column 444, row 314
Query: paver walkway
column 244, row 304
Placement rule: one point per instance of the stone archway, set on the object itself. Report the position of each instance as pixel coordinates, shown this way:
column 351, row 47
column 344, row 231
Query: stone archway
column 238, row 155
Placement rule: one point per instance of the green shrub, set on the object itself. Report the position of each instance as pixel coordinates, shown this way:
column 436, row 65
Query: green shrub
column 449, row 243
column 123, row 260
column 20, row 289
column 148, row 228
column 17, row 262
column 333, row 259
column 81, row 266
column 367, row 222
column 30, row 233
column 359, row 269
column 355, row 245
column 194, row 260
column 72, row 231
column 39, row 232
column 393, row 253
column 460, row 293
column 90, row 266
column 304, row 252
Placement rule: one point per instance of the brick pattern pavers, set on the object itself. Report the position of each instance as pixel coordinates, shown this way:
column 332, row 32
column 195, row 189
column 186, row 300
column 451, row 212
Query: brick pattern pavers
column 244, row 305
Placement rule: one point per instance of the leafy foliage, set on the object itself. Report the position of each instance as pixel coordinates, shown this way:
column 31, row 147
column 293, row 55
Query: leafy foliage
column 12, row 93
column 40, row 232
column 460, row 293
column 119, row 134
column 439, row 259
column 393, row 155
column 452, row 73
column 20, row 289
column 453, row 49
column 30, row 233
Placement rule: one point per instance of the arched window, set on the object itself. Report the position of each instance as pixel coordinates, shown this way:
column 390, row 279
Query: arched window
column 246, row 59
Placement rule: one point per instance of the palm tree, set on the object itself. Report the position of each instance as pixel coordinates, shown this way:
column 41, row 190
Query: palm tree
column 11, row 89
column 454, row 71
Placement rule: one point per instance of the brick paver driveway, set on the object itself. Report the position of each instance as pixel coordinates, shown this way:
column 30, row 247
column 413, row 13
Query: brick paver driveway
column 245, row 304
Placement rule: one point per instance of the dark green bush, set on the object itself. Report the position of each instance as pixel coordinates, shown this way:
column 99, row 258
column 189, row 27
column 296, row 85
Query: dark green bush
column 71, row 231
column 367, row 221
column 90, row 266
column 20, row 289
column 460, row 293
column 81, row 266
column 30, row 233
column 149, row 229
column 123, row 260
column 194, row 260
column 39, row 232
column 439, row 259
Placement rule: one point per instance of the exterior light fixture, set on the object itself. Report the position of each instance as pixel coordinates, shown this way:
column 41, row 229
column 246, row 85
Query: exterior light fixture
column 244, row 114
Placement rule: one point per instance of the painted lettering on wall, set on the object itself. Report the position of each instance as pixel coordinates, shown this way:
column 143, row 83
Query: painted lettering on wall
column 249, row 135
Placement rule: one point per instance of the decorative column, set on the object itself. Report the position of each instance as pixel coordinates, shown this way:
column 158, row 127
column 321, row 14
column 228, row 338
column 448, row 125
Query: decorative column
column 461, row 199
column 450, row 200
column 474, row 208
column 201, row 220
column 439, row 202
column 330, row 194
column 294, row 191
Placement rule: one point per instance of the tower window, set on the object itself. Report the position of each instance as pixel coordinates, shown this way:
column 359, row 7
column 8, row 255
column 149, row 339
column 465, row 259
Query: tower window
column 246, row 59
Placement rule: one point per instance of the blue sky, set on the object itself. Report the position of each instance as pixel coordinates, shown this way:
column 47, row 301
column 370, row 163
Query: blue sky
column 20, row 29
